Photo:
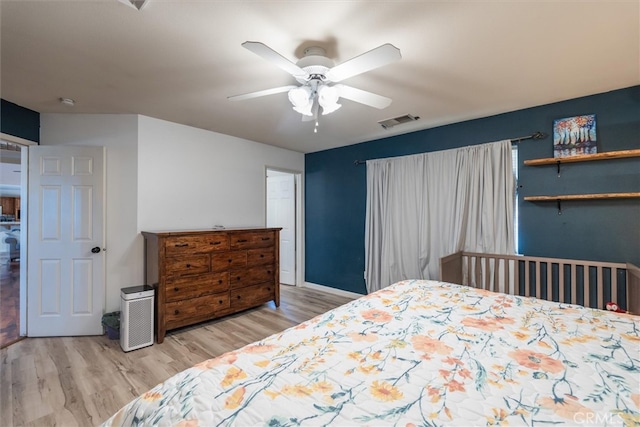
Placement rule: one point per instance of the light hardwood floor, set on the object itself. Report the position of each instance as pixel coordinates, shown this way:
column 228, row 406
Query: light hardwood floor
column 81, row 381
column 9, row 302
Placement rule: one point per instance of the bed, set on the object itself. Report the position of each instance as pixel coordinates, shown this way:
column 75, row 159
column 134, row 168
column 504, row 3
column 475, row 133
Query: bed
column 417, row 353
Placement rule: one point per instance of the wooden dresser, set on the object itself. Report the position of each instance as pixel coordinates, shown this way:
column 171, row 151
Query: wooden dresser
column 203, row 274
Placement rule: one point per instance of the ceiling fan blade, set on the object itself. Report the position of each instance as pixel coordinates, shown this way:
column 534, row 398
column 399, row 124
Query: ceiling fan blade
column 261, row 93
column 275, row 58
column 363, row 97
column 382, row 55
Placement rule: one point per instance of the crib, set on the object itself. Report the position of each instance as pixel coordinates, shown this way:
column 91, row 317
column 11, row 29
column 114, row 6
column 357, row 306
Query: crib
column 586, row 283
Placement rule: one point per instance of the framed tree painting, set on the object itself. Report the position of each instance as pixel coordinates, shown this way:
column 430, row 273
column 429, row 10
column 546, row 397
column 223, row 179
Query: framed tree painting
column 574, row 136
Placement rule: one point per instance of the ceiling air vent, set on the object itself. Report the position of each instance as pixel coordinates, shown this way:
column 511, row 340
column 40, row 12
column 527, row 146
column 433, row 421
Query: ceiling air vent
column 389, row 123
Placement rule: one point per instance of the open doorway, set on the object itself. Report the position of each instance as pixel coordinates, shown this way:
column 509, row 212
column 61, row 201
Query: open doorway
column 283, row 209
column 12, row 241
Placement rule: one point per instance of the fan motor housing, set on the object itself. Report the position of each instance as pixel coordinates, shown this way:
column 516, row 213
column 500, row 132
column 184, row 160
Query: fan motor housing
column 314, row 62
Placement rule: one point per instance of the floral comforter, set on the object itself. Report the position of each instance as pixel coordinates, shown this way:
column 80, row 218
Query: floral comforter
column 418, row 353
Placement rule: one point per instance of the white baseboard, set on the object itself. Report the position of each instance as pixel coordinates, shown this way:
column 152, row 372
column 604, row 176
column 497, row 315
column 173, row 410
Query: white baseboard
column 330, row 290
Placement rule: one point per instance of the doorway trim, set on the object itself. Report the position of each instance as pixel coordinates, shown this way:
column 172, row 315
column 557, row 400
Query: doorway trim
column 17, row 139
column 24, row 213
column 299, row 276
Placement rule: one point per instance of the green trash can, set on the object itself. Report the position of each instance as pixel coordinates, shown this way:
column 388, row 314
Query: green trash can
column 111, row 322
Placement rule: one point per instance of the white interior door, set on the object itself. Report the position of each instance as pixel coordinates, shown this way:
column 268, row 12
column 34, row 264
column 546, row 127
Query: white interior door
column 65, row 287
column 281, row 209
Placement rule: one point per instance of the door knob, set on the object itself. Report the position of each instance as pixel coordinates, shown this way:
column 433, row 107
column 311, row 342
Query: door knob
column 95, row 250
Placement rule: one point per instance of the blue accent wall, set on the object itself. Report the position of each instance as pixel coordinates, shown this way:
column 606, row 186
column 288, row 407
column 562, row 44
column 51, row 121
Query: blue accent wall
column 19, row 121
column 599, row 230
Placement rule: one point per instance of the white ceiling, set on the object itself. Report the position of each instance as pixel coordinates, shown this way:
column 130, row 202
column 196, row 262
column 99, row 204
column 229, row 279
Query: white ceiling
column 179, row 60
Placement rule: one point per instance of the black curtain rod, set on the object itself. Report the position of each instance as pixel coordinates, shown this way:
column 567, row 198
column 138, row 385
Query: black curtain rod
column 535, row 135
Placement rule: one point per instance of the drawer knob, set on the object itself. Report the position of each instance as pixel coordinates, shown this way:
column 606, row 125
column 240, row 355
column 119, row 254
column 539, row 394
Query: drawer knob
column 242, row 240
column 268, row 271
column 238, row 297
column 230, row 260
column 238, row 278
column 220, row 281
column 261, row 255
column 177, row 312
column 266, row 238
column 215, row 243
column 176, row 289
column 269, row 289
column 220, row 301
column 188, row 265
column 181, row 245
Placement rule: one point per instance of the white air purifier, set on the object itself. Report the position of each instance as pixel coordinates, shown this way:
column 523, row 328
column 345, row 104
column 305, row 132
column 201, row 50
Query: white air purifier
column 136, row 317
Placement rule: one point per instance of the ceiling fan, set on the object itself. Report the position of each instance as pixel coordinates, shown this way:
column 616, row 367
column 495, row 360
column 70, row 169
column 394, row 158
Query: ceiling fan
column 318, row 76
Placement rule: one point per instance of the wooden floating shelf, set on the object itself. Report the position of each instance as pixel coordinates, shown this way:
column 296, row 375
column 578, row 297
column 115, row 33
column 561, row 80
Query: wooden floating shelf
column 582, row 197
column 584, row 158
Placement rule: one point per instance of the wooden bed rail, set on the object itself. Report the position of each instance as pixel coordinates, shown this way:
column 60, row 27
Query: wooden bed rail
column 588, row 283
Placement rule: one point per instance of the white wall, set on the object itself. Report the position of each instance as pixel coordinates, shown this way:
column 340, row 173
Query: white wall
column 119, row 134
column 164, row 176
column 191, row 178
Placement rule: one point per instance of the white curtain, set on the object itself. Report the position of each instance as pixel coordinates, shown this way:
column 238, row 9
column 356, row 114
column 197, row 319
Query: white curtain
column 425, row 206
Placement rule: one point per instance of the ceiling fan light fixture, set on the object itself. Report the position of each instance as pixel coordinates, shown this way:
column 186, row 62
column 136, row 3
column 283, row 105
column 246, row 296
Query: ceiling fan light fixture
column 328, row 99
column 328, row 109
column 302, row 100
column 305, row 111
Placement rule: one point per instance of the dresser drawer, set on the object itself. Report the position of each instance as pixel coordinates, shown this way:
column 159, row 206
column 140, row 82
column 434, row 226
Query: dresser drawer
column 252, row 240
column 260, row 256
column 180, row 288
column 181, row 266
column 252, row 295
column 227, row 260
column 187, row 312
column 192, row 244
column 251, row 276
